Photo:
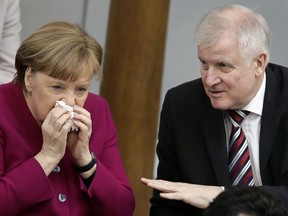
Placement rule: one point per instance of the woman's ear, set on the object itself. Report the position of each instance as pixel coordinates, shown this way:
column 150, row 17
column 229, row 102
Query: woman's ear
column 28, row 79
column 261, row 63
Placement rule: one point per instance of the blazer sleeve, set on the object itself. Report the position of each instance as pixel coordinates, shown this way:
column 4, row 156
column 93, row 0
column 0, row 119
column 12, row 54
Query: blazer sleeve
column 110, row 191
column 16, row 184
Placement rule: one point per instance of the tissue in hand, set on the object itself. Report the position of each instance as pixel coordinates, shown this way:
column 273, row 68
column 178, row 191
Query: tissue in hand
column 69, row 109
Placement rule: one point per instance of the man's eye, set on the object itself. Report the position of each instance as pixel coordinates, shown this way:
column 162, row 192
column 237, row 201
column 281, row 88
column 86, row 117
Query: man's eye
column 225, row 67
column 204, row 65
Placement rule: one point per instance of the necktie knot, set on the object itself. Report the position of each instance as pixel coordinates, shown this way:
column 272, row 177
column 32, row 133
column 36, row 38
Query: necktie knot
column 237, row 116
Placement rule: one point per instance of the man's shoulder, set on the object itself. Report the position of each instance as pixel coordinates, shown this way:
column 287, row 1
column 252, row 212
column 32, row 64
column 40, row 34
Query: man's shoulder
column 277, row 72
column 188, row 87
column 276, row 67
column 188, row 92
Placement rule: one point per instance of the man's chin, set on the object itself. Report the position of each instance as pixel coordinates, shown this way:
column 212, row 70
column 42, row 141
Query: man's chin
column 219, row 105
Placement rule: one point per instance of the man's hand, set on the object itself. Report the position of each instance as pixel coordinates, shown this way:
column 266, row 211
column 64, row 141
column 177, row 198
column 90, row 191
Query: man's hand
column 199, row 196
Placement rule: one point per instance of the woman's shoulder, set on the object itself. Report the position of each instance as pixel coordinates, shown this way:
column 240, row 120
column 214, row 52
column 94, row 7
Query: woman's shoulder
column 12, row 101
column 10, row 91
column 96, row 102
column 94, row 98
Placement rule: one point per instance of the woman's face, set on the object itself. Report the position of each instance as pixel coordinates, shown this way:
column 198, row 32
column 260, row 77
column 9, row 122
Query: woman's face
column 43, row 91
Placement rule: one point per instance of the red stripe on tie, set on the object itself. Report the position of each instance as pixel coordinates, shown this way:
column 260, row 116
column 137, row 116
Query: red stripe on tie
column 234, row 149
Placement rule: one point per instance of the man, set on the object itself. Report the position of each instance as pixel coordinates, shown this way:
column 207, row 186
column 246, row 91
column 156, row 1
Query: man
column 196, row 155
column 245, row 201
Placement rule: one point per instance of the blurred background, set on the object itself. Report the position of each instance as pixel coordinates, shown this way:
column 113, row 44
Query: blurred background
column 177, row 60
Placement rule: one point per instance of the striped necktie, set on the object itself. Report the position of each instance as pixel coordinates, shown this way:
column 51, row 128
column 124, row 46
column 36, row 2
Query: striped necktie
column 239, row 159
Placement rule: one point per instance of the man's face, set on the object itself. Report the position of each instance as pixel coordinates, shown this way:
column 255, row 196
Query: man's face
column 229, row 80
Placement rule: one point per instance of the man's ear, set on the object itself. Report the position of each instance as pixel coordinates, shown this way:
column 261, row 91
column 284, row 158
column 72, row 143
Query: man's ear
column 28, row 79
column 261, row 63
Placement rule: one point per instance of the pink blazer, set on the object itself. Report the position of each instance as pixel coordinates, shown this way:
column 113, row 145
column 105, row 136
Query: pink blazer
column 24, row 187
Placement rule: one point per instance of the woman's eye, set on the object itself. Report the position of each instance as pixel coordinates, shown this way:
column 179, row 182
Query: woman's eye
column 57, row 88
column 81, row 89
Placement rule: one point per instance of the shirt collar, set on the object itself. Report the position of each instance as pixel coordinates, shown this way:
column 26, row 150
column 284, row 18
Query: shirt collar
column 256, row 104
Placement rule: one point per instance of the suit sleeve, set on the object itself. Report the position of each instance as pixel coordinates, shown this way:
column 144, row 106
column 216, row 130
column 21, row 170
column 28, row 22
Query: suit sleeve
column 275, row 174
column 167, row 168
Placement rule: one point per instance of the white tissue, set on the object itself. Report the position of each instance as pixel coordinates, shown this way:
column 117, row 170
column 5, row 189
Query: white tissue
column 69, row 109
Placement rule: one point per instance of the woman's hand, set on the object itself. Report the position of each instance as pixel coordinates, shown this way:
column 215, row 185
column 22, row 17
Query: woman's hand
column 199, row 196
column 54, row 131
column 78, row 141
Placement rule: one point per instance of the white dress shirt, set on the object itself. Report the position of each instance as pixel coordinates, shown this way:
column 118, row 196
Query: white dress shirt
column 251, row 126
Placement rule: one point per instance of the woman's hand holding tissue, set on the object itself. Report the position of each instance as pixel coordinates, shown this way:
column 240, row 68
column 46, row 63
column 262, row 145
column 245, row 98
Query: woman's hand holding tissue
column 78, row 142
column 55, row 129
column 57, row 135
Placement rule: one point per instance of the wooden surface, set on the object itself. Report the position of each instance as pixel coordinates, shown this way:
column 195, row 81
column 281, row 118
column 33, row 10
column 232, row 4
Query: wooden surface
column 132, row 77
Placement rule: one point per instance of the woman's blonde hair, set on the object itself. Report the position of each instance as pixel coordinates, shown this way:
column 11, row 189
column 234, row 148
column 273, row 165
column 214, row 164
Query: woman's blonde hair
column 62, row 49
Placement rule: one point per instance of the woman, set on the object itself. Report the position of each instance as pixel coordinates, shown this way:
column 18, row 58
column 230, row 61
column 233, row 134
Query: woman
column 45, row 167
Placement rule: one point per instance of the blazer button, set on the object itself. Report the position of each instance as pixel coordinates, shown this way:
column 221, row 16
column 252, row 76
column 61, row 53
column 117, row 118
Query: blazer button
column 62, row 197
column 56, row 169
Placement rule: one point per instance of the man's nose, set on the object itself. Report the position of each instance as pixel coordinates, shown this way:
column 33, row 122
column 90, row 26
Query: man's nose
column 212, row 77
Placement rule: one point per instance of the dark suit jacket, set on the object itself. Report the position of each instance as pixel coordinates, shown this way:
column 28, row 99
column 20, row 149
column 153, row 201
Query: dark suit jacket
column 192, row 141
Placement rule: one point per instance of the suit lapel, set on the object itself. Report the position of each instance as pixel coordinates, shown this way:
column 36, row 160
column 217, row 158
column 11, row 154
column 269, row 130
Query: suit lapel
column 215, row 137
column 269, row 119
